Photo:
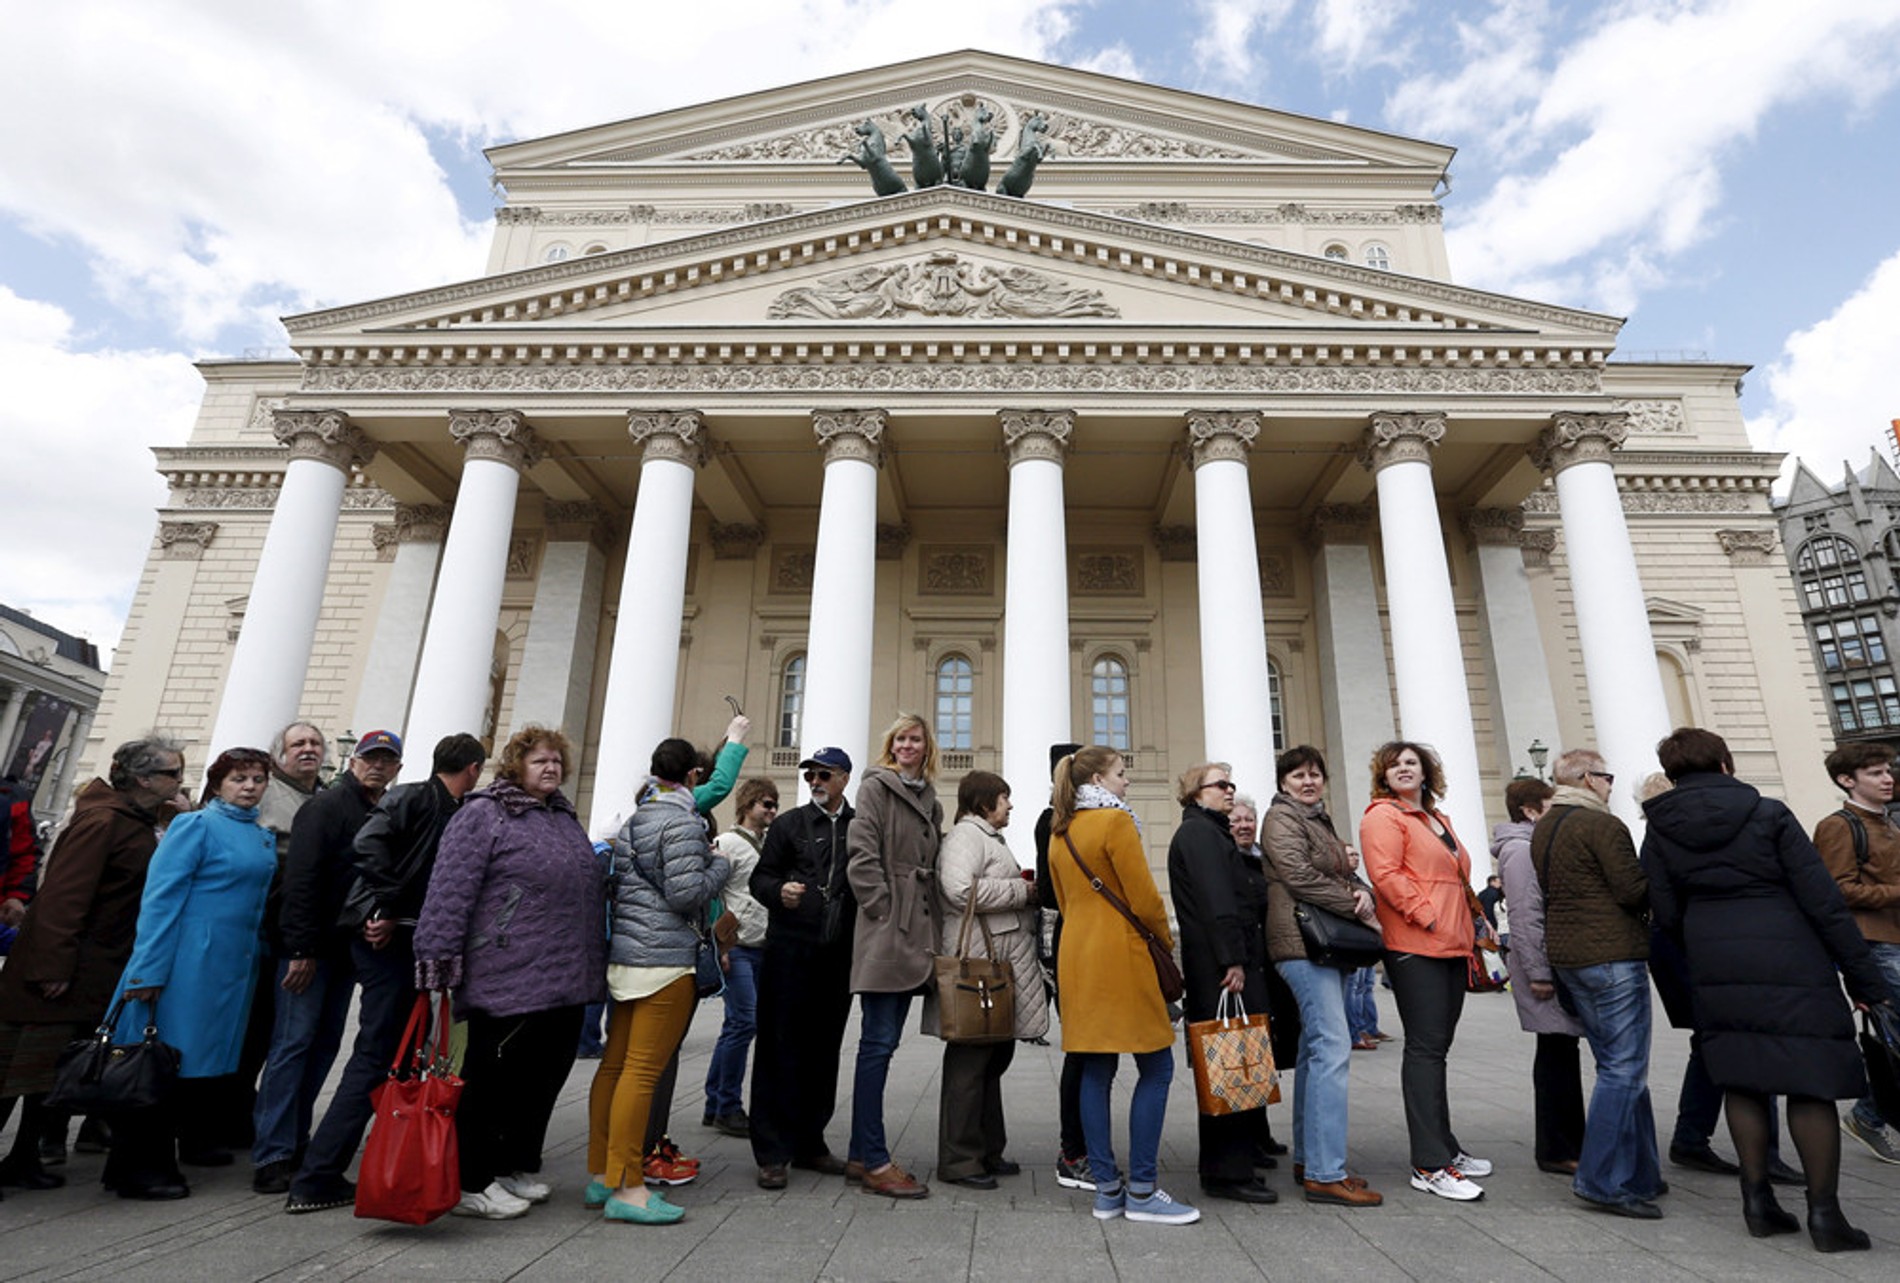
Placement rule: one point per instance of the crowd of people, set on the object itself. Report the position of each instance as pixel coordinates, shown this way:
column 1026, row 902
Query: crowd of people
column 243, row 926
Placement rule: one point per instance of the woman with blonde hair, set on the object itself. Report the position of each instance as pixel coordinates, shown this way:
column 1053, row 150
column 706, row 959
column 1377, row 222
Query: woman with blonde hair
column 892, row 868
column 1111, row 1000
column 513, row 925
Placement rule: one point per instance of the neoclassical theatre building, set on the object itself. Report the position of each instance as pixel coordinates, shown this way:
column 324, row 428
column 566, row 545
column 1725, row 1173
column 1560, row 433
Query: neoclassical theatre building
column 1196, row 449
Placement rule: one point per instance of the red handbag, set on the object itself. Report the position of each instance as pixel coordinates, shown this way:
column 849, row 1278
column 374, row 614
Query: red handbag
column 411, row 1169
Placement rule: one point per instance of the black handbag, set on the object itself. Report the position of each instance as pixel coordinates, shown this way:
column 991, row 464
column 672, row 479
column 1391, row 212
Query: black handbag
column 1335, row 940
column 1880, row 1048
column 94, row 1075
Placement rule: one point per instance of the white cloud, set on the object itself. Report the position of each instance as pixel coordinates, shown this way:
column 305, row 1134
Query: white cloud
column 1351, row 34
column 79, row 509
column 1223, row 46
column 1832, row 391
column 1115, row 60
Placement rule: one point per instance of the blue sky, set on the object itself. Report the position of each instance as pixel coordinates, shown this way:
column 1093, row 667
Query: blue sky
column 177, row 174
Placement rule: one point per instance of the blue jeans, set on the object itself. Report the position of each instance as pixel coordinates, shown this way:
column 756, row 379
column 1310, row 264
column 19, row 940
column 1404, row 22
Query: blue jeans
column 1619, row 1163
column 1887, row 958
column 1362, row 1008
column 1147, row 1109
column 882, row 1026
column 725, row 1075
column 1320, row 1082
column 305, row 1036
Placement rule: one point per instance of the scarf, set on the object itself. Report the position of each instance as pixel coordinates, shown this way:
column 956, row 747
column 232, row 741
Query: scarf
column 1093, row 797
column 1571, row 795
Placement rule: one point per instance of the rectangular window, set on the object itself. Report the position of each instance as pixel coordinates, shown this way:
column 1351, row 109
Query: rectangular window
column 1843, row 706
column 1871, row 638
column 1834, row 590
column 1857, row 585
column 1829, row 648
column 1889, row 700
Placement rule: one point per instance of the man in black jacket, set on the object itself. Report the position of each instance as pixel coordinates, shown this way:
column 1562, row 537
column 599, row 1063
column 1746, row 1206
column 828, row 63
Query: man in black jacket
column 395, row 852
column 804, row 975
column 314, row 971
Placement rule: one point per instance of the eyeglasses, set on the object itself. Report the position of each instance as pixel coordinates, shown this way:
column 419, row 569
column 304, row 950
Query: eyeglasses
column 770, row 806
column 1605, row 776
column 810, row 776
column 1225, row 786
column 177, row 773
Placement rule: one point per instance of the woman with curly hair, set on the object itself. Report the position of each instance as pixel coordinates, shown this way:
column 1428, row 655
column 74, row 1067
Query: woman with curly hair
column 512, row 924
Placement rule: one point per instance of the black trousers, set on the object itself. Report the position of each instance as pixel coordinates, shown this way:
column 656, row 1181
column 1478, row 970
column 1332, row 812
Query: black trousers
column 971, row 1134
column 804, row 1002
column 1069, row 1106
column 145, row 1141
column 512, row 1073
column 1557, row 1096
column 1430, row 993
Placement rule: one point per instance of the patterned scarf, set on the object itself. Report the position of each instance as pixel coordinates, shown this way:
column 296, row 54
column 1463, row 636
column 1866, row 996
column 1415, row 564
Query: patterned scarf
column 1093, row 797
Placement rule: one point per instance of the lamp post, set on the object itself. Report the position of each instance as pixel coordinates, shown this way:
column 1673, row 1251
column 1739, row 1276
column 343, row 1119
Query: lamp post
column 345, row 746
column 1540, row 753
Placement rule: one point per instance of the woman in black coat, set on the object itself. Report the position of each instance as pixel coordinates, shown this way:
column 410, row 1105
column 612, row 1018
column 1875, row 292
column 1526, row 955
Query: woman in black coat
column 1768, row 939
column 1220, row 901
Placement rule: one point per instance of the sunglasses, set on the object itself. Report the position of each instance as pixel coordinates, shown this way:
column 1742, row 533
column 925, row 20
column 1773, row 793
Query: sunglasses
column 1225, row 786
column 1605, row 776
column 770, row 806
column 810, row 776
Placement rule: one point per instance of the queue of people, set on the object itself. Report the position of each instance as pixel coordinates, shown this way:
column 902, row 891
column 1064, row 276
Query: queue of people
column 497, row 896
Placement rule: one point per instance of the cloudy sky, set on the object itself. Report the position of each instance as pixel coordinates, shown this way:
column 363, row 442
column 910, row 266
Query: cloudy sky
column 177, row 174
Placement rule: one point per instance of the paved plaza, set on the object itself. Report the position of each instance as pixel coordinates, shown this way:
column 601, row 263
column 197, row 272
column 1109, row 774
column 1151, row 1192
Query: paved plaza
column 1528, row 1226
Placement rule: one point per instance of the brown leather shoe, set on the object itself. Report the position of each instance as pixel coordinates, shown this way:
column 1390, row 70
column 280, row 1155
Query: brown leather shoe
column 854, row 1172
column 773, row 1176
column 1351, row 1192
column 894, row 1182
column 1357, row 1182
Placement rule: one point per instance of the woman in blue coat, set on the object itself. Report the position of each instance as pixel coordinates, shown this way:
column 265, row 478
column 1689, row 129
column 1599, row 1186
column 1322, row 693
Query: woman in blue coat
column 194, row 963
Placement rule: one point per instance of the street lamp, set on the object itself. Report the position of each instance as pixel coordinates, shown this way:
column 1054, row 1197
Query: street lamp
column 1540, row 753
column 345, row 745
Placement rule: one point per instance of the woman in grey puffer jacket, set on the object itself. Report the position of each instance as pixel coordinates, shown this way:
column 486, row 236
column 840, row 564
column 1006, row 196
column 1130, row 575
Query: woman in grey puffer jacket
column 664, row 874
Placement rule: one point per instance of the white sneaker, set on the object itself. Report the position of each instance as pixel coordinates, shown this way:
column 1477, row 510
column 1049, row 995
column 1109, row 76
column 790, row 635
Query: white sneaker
column 524, row 1186
column 1469, row 1165
column 1446, row 1182
column 492, row 1204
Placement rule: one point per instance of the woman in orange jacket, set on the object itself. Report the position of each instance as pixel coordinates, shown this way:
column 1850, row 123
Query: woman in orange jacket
column 1421, row 874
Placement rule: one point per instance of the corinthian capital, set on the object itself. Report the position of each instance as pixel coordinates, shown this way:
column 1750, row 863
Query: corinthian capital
column 1401, row 438
column 1340, row 523
column 850, row 434
column 1221, row 434
column 679, row 435
column 1036, row 434
column 1578, row 438
column 327, row 436
column 501, row 435
column 422, row 522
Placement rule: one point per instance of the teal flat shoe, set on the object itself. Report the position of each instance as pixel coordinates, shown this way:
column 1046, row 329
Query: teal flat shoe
column 596, row 1194
column 656, row 1212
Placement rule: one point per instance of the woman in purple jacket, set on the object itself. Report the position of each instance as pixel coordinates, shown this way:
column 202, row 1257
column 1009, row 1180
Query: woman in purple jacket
column 513, row 924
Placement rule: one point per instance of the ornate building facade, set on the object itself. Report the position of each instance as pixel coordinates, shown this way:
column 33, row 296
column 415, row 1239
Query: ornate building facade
column 1198, row 450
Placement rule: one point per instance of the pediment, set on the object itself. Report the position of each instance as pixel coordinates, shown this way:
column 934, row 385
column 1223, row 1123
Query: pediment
column 953, row 256
column 1094, row 119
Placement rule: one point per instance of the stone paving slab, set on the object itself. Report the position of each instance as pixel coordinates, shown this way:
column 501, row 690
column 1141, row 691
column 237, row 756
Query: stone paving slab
column 1529, row 1225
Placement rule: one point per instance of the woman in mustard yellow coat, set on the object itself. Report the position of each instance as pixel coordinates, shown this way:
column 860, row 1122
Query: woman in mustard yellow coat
column 1111, row 1001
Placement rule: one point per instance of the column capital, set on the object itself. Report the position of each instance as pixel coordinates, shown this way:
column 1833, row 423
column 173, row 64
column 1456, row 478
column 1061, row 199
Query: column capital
column 500, row 435
column 737, row 541
column 1575, row 438
column 185, row 540
column 1176, row 543
column 1220, row 435
column 891, row 541
column 577, row 521
column 1036, row 434
column 851, row 434
column 1401, row 437
column 1747, row 547
column 1339, row 523
column 422, row 522
column 1538, row 545
column 679, row 435
column 1494, row 527
column 327, row 436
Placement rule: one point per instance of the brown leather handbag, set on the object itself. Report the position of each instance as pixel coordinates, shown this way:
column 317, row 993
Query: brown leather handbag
column 976, row 997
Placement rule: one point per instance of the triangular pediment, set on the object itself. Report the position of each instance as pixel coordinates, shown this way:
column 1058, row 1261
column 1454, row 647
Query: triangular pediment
column 954, row 256
column 1093, row 120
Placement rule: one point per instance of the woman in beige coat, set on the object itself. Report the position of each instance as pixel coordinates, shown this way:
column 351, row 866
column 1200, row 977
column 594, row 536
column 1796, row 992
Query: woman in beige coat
column 892, row 866
column 976, row 873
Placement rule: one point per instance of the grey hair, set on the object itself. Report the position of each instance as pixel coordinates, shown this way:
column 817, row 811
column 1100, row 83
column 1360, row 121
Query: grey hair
column 277, row 740
column 1246, row 800
column 1574, row 767
column 146, row 756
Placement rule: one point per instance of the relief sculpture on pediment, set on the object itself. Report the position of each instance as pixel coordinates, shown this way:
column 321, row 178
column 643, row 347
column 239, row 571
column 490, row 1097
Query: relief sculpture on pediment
column 939, row 285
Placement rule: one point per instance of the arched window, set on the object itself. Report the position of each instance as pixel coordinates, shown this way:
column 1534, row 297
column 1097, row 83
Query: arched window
column 791, row 702
column 1337, row 252
column 956, row 703
column 1108, row 703
column 595, row 248
column 555, row 253
column 1276, row 708
column 1378, row 256
column 1829, row 569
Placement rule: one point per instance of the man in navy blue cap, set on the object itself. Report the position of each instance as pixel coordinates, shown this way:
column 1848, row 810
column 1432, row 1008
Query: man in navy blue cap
column 804, row 975
column 315, row 974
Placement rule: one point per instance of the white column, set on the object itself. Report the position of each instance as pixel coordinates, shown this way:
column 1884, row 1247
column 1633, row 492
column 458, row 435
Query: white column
column 1428, row 657
column 10, row 720
column 643, row 674
column 458, row 651
column 1524, row 709
column 1237, row 711
column 1356, row 699
column 1627, row 706
column 1036, row 710
column 389, row 670
column 264, row 687
column 844, row 589
column 557, row 659
column 75, row 748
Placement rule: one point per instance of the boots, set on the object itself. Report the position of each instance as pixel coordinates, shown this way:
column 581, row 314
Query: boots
column 1829, row 1228
column 1762, row 1213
